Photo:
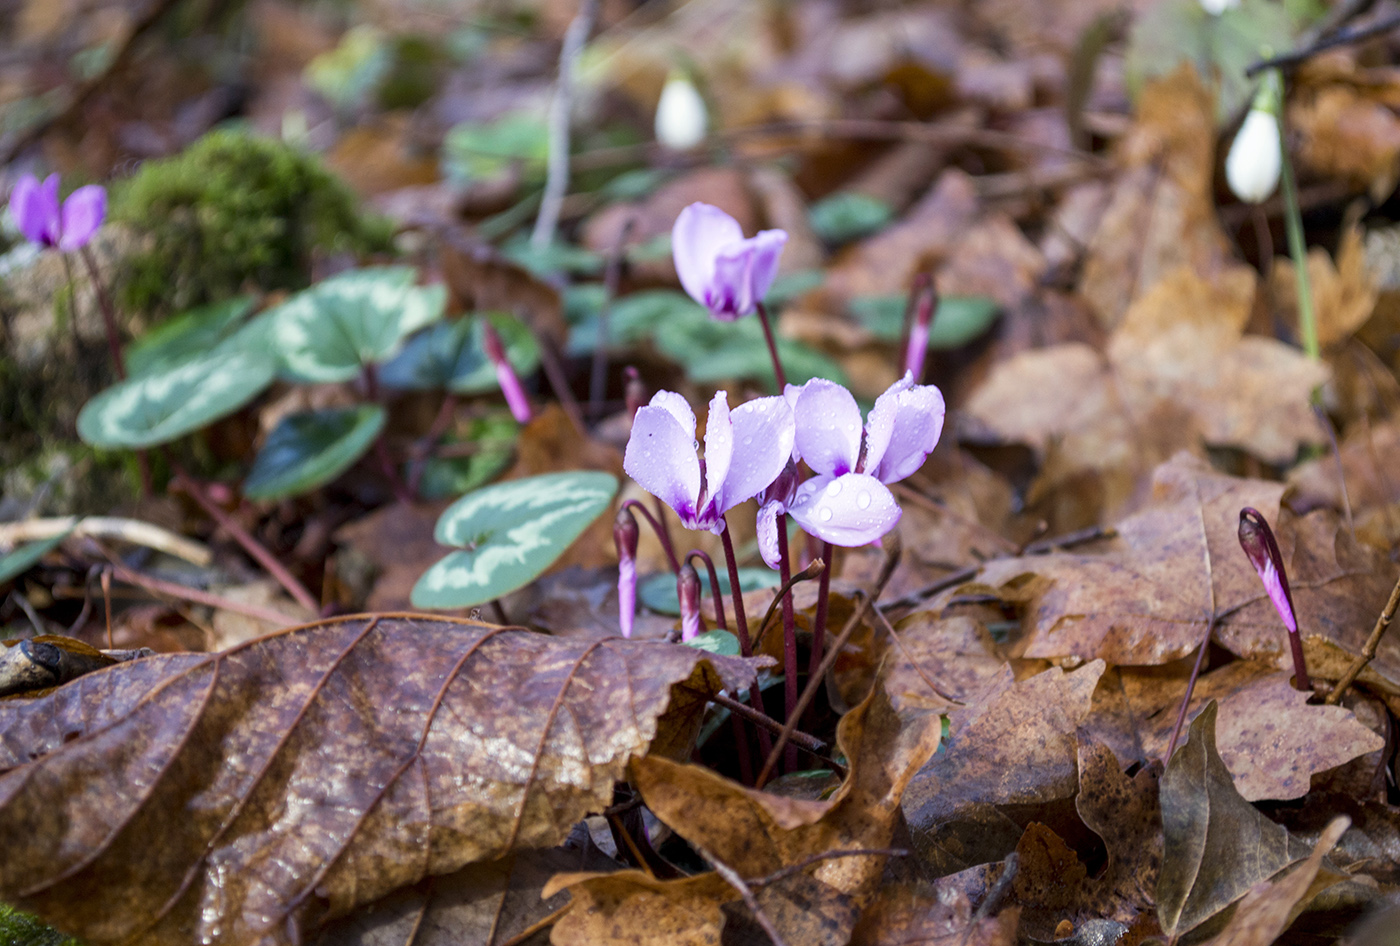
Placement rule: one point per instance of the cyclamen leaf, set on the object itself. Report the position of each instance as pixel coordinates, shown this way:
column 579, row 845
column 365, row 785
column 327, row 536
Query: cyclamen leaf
column 186, row 336
column 310, row 449
column 252, row 795
column 158, row 408
column 510, row 533
column 452, row 355
column 24, row 557
column 331, row 331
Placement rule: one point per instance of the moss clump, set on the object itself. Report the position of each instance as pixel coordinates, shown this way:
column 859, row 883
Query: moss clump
column 21, row 929
column 232, row 210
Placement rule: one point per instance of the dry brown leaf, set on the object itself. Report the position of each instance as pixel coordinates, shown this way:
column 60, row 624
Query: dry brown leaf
column 994, row 259
column 1125, row 813
column 1347, row 134
column 1161, row 215
column 1050, row 874
column 1147, row 598
column 631, row 908
column 1268, row 909
column 940, row 916
column 1344, row 294
column 1270, row 738
column 1014, row 744
column 319, row 769
column 952, row 656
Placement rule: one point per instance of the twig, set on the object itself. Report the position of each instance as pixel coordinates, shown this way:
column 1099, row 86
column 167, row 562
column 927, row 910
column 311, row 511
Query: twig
column 811, row 859
column 598, row 371
column 892, row 556
column 800, row 739
column 252, row 546
column 1368, row 650
column 558, row 380
column 732, row 878
column 24, row 605
column 556, row 183
column 108, row 527
column 1341, row 38
column 1190, row 688
column 813, row 569
column 889, row 629
column 195, row 596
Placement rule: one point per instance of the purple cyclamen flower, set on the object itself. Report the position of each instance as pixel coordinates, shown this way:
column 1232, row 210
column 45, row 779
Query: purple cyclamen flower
column 848, row 502
column 39, row 217
column 720, row 269
column 1260, row 547
column 505, row 374
column 745, row 449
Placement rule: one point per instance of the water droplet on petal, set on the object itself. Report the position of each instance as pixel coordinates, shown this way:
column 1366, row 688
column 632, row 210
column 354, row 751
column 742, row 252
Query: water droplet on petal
column 824, row 515
column 863, row 500
column 833, row 488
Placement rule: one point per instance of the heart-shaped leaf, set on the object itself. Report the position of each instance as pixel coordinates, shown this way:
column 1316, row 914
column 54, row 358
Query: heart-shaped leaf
column 331, row 331
column 250, row 796
column 161, row 407
column 186, row 336
column 509, row 534
column 452, row 355
column 310, row 449
column 847, row 216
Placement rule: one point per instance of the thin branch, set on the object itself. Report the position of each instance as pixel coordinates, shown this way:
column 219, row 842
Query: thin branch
column 1342, row 38
column 808, row 861
column 1368, row 650
column 195, row 596
column 556, row 183
column 732, row 878
column 132, row 531
column 802, row 740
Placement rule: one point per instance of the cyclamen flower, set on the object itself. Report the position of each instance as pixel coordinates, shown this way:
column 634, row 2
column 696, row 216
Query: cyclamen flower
column 745, row 449
column 720, row 269
column 848, row 502
column 39, row 217
column 1260, row 547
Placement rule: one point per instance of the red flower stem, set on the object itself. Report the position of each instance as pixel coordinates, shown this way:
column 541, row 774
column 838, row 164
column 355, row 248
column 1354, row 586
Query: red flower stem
column 1301, row 680
column 244, row 538
column 819, row 621
column 441, row 422
column 659, row 529
column 741, row 625
column 922, row 281
column 772, row 347
column 714, row 585
column 789, row 638
column 663, row 529
column 402, row 491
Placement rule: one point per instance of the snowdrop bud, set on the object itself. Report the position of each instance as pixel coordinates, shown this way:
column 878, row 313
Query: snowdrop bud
column 625, row 535
column 688, row 591
column 680, row 114
column 1255, row 160
column 1217, row 7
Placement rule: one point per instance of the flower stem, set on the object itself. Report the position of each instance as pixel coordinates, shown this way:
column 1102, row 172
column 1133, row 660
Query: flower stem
column 789, row 638
column 714, row 585
column 819, row 621
column 660, row 531
column 778, row 374
column 381, row 445
column 441, row 423
column 1297, row 248
column 109, row 313
column 741, row 625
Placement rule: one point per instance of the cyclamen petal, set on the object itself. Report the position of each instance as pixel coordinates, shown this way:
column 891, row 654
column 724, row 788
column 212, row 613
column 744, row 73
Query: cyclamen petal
column 761, row 442
column 661, row 457
column 916, row 423
column 699, row 234
column 82, row 216
column 720, row 269
column 35, row 208
column 849, row 510
column 719, row 448
column 767, row 526
column 828, row 427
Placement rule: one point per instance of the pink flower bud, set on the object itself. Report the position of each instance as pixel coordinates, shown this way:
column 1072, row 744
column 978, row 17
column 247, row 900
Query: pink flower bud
column 1257, row 540
column 918, row 332
column 505, row 374
column 688, row 591
column 625, row 533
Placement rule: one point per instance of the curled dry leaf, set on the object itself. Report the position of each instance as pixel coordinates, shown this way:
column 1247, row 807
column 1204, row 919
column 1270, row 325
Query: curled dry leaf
column 756, row 834
column 903, row 916
column 631, row 908
column 1124, row 812
column 1013, row 744
column 1217, row 845
column 318, row 769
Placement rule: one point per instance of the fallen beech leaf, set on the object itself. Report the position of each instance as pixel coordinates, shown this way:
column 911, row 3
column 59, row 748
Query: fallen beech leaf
column 1268, row 735
column 1148, row 597
column 1217, row 845
column 955, row 654
column 1050, row 873
column 1268, row 909
column 630, row 908
column 319, row 769
column 1014, row 744
column 484, row 904
column 1124, row 812
column 755, row 833
column 905, row 916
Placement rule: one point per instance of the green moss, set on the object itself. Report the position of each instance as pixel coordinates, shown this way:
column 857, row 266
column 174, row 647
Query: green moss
column 21, row 929
column 231, row 211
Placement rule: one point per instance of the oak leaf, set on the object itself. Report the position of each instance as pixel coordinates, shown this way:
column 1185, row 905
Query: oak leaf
column 242, row 796
column 1125, row 813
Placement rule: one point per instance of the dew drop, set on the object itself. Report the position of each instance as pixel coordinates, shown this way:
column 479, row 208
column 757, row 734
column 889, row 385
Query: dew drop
column 824, row 514
column 833, row 488
column 748, row 441
column 863, row 500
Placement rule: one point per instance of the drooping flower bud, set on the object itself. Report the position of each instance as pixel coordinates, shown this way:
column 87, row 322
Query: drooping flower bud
column 1257, row 540
column 688, row 591
column 625, row 534
column 918, row 331
column 1255, row 161
column 505, row 373
column 681, row 118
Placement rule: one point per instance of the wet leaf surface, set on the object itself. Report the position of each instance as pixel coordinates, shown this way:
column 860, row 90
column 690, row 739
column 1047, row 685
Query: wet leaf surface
column 319, row 768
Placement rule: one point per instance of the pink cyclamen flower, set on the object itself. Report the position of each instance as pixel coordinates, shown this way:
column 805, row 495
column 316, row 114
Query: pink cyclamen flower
column 720, row 269
column 745, row 449
column 848, row 502
column 39, row 217
column 505, row 374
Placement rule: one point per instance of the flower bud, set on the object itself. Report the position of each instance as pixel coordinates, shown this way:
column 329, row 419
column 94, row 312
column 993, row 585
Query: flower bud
column 625, row 535
column 918, row 331
column 1255, row 161
column 1257, row 540
column 1217, row 7
column 505, row 373
column 635, row 391
column 680, row 114
column 688, row 591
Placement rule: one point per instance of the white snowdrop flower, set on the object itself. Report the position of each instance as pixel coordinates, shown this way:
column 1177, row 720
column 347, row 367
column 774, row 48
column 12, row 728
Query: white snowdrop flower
column 1217, row 7
column 681, row 118
column 1252, row 167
